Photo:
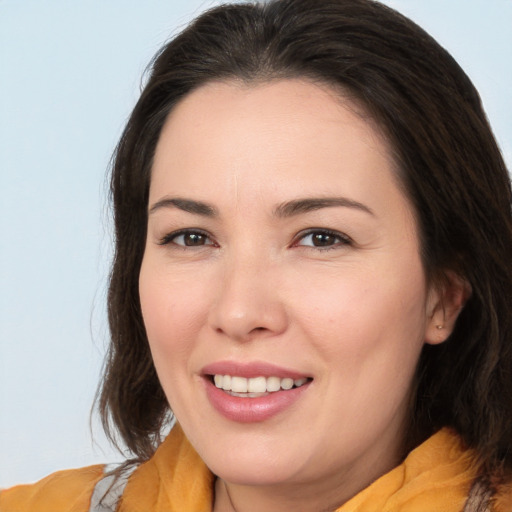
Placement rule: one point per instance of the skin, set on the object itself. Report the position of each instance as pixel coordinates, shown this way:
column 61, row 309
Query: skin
column 353, row 313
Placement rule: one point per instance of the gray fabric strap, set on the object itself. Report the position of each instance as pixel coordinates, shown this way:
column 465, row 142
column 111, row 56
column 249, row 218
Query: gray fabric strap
column 108, row 491
column 479, row 498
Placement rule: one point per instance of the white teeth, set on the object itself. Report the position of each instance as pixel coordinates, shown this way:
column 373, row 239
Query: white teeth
column 287, row 383
column 239, row 384
column 226, row 382
column 273, row 384
column 255, row 385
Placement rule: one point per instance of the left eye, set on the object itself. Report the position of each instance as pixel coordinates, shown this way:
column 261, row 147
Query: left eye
column 322, row 239
column 187, row 239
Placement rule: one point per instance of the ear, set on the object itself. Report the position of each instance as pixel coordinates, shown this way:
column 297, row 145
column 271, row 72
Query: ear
column 445, row 301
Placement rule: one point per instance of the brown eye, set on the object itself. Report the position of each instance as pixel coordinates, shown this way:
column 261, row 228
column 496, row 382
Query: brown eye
column 193, row 239
column 187, row 239
column 323, row 239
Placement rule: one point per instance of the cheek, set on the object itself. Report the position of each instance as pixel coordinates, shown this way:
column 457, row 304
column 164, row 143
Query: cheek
column 359, row 313
column 173, row 310
column 370, row 338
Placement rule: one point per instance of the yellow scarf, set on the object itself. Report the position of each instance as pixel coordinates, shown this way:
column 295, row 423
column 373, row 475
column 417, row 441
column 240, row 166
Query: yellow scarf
column 435, row 477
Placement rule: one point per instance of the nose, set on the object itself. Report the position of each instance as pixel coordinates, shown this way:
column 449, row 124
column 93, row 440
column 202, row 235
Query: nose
column 248, row 304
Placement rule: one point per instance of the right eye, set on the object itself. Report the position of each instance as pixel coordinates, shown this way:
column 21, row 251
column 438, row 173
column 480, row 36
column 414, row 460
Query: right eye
column 187, row 238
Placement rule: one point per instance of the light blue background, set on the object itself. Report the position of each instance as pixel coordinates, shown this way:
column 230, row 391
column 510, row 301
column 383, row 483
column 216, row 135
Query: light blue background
column 69, row 75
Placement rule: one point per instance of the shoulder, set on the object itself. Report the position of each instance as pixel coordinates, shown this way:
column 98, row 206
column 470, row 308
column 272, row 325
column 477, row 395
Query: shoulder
column 63, row 491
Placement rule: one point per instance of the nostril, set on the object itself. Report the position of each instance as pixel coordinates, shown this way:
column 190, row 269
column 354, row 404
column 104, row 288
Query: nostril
column 244, row 321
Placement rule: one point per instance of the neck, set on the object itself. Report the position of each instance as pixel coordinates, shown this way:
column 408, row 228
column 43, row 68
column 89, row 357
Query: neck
column 322, row 496
column 233, row 498
column 326, row 493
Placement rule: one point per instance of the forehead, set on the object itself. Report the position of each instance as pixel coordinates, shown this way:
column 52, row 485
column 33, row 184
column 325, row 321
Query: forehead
column 269, row 140
column 290, row 103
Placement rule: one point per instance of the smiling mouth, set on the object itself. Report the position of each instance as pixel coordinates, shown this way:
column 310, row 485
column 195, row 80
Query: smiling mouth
column 255, row 387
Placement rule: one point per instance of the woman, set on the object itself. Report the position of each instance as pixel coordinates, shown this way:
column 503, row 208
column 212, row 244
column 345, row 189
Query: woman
column 313, row 235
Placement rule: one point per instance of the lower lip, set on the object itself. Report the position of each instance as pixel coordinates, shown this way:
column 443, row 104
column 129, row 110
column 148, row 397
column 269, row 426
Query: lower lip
column 252, row 410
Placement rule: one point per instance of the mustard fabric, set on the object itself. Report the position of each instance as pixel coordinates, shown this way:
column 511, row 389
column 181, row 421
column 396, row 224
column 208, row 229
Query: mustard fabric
column 64, row 491
column 435, row 477
column 175, row 479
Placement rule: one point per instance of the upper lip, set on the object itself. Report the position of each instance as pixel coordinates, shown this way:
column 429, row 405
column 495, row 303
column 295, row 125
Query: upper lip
column 251, row 369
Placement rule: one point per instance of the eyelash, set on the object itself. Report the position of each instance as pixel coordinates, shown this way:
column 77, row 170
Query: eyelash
column 342, row 239
column 171, row 238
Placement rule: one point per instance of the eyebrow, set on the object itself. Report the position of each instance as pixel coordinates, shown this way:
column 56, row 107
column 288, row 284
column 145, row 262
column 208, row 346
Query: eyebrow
column 284, row 210
column 186, row 205
column 299, row 206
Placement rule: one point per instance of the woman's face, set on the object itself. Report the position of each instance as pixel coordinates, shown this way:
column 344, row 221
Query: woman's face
column 281, row 251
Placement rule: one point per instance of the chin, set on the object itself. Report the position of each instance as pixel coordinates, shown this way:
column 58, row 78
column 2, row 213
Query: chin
column 255, row 462
column 255, row 473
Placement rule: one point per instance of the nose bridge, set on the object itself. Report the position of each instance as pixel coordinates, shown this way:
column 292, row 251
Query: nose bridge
column 248, row 302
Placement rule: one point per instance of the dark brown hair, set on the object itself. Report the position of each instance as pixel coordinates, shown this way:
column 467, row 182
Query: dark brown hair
column 449, row 165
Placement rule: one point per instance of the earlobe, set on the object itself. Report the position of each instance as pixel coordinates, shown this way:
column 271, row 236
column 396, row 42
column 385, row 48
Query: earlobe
column 445, row 302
